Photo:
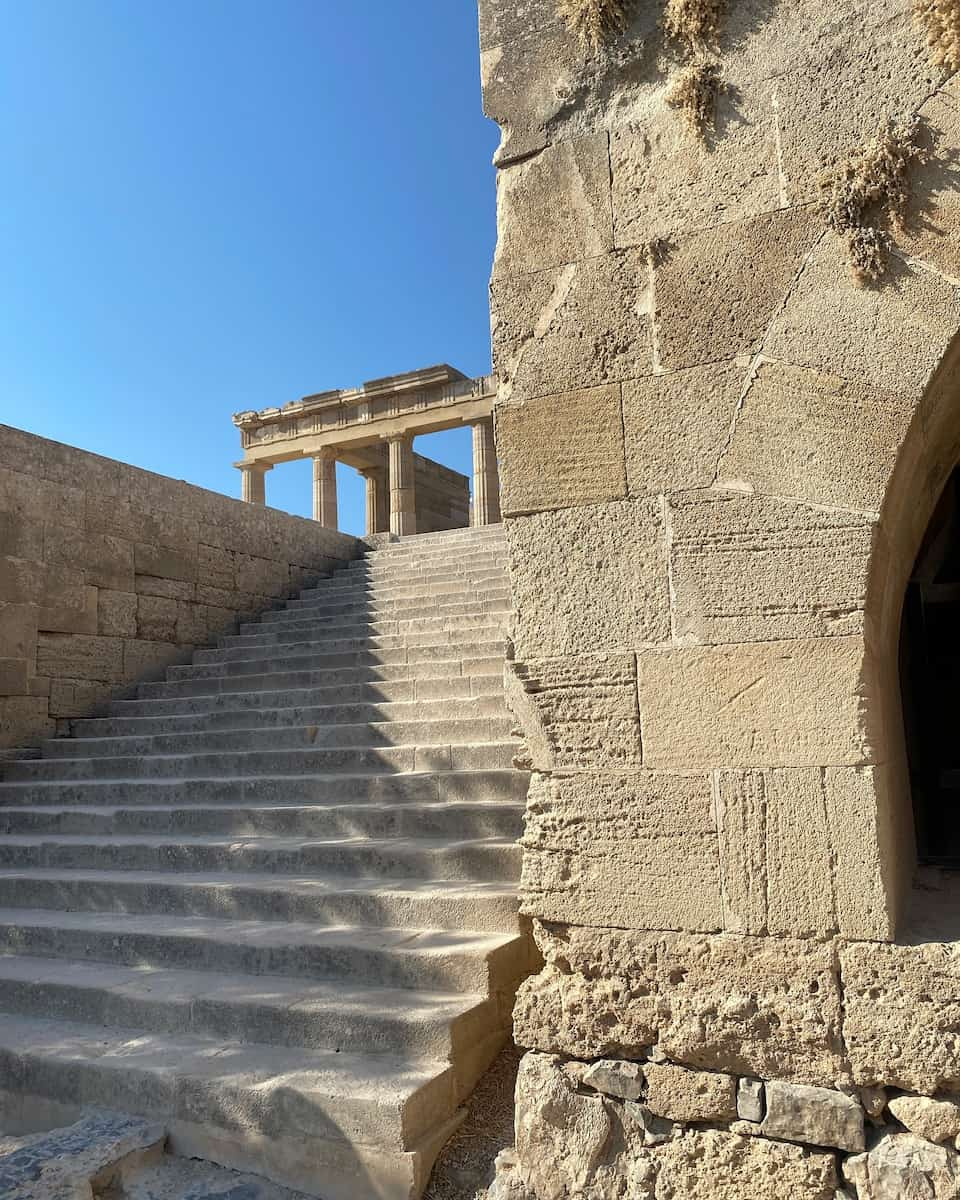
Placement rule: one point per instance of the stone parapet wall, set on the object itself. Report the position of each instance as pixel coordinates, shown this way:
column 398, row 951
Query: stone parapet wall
column 443, row 496
column 108, row 574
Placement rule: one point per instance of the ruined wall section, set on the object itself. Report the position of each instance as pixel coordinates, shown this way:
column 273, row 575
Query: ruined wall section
column 108, row 574
column 704, row 403
column 443, row 496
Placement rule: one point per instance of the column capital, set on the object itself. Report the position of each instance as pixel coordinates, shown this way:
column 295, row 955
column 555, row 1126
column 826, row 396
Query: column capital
column 254, row 465
column 326, row 454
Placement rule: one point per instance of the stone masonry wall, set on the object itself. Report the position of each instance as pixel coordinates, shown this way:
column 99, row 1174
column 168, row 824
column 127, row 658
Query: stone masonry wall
column 443, row 496
column 724, row 312
column 108, row 574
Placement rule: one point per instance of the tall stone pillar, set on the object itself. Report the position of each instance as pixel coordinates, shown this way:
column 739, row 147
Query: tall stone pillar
column 403, row 500
column 378, row 508
column 325, row 489
column 486, row 476
column 253, row 482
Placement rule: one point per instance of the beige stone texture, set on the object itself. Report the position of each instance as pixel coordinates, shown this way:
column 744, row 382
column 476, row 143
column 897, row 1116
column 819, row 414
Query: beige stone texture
column 580, row 713
column 76, row 656
column 563, row 197
column 712, row 1164
column 815, row 437
column 932, row 232
column 683, row 1095
column 813, row 1115
column 752, row 569
column 754, row 705
column 562, row 451
column 589, row 579
column 676, row 426
column 622, row 1080
column 717, row 292
column 901, row 1166
column 935, row 1120
column 117, row 613
column 579, row 326
column 902, row 1022
column 635, row 850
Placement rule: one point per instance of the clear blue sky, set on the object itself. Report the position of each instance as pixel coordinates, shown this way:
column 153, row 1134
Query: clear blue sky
column 216, row 205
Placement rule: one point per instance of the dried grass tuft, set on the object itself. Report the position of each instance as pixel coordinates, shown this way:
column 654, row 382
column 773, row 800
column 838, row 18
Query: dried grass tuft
column 695, row 24
column 870, row 193
column 593, row 21
column 940, row 21
column 695, row 92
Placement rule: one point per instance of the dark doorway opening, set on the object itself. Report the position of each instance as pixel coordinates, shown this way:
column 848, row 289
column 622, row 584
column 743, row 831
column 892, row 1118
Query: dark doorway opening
column 930, row 683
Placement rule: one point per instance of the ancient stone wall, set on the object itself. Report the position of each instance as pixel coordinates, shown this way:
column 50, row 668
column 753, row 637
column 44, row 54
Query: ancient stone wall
column 724, row 308
column 443, row 496
column 108, row 574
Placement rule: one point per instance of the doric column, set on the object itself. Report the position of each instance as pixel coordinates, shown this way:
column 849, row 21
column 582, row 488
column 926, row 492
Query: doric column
column 403, row 499
column 378, row 508
column 486, row 477
column 325, row 488
column 253, row 484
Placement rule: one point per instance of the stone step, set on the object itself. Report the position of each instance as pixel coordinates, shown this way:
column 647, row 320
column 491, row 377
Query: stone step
column 487, row 906
column 480, row 819
column 438, row 787
column 360, row 624
column 356, row 593
column 431, row 960
column 392, row 857
column 445, row 583
column 453, row 660
column 313, row 1120
column 364, row 609
column 452, row 537
column 270, row 644
column 281, row 733
column 385, row 683
column 478, row 572
column 220, row 764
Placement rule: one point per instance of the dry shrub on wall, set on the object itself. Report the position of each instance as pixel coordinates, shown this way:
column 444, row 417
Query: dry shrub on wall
column 593, row 21
column 869, row 194
column 693, row 23
column 695, row 92
column 940, row 20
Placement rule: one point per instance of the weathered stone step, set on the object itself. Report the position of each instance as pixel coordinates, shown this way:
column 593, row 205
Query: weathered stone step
column 391, row 857
column 362, row 624
column 319, row 900
column 442, row 960
column 344, row 706
column 441, row 659
column 385, row 683
column 359, row 592
column 414, row 585
column 310, row 1119
column 378, row 788
column 217, row 764
column 433, row 643
column 405, row 610
column 275, row 1011
column 483, row 572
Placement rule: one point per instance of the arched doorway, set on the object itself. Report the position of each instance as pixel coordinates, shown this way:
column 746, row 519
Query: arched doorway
column 930, row 683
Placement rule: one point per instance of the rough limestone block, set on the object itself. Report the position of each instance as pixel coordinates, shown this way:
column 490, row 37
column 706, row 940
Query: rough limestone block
column 718, row 290
column 766, row 1007
column 560, row 1135
column 260, row 576
column 901, row 1166
column 589, row 579
column 579, row 326
column 666, row 181
column 18, row 631
column 46, row 585
column 935, row 1120
column 814, row 1115
column 635, row 850
column 191, row 627
column 13, row 677
column 24, row 720
column 812, row 436
column 578, row 713
column 683, row 1095
column 623, row 1080
column 755, row 705
column 559, row 451
column 933, row 213
column 554, row 208
column 21, row 536
column 902, row 1015
column 889, row 339
column 216, row 566
column 35, row 499
column 148, row 660
column 775, row 853
column 709, row 1164
column 77, row 697
column 751, row 1104
column 165, row 563
column 77, row 656
column 752, row 569
column 676, row 425
column 117, row 614
column 156, row 619
column 105, row 560
column 167, row 589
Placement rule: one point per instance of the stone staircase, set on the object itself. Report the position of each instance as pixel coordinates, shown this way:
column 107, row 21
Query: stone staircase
column 271, row 901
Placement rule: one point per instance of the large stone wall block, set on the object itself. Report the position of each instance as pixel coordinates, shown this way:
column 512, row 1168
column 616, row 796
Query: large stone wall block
column 683, row 1095
column 635, row 850
column 901, row 1166
column 676, row 425
column 167, row 564
column 561, row 451
column 752, row 569
column 712, row 1164
column 755, row 705
column 814, row 1115
column 579, row 326
column 718, row 289
column 77, row 656
column 36, row 499
column 815, row 437
column 589, row 579
column 554, row 208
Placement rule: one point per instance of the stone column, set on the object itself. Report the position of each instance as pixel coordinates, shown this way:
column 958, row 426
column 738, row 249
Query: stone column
column 403, row 501
column 378, row 510
column 486, row 477
column 253, row 484
column 325, row 488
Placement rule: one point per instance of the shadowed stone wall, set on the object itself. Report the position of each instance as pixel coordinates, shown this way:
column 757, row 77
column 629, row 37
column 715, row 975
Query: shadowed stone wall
column 108, row 574
column 723, row 423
